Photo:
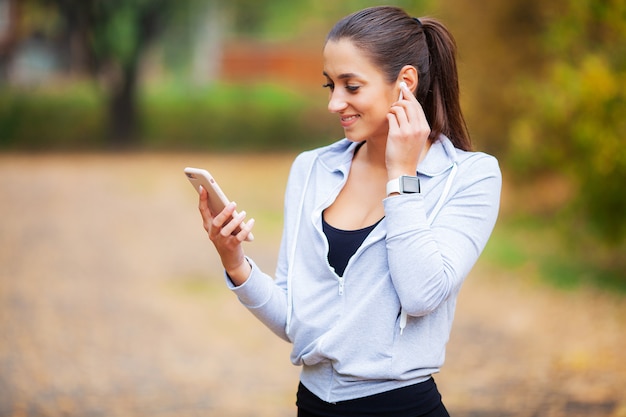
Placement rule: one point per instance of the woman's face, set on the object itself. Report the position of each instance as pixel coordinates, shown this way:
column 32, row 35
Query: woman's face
column 359, row 93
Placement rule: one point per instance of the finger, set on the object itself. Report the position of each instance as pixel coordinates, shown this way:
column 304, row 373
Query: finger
column 205, row 212
column 407, row 102
column 407, row 94
column 203, row 201
column 233, row 224
column 246, row 231
column 216, row 223
column 414, row 112
column 225, row 215
column 393, row 122
column 400, row 114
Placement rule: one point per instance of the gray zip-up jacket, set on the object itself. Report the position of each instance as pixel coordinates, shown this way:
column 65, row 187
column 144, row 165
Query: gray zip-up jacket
column 349, row 333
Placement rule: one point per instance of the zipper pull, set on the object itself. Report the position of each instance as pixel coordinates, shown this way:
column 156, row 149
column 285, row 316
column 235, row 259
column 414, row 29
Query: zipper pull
column 341, row 281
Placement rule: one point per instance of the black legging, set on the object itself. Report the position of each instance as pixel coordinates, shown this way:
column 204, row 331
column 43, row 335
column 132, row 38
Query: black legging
column 440, row 411
column 418, row 400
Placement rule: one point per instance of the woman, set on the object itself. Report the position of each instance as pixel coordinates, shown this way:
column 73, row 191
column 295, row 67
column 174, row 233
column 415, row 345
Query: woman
column 380, row 228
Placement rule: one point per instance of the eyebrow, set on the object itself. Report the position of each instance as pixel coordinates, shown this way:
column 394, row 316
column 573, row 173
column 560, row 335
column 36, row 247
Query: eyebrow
column 345, row 76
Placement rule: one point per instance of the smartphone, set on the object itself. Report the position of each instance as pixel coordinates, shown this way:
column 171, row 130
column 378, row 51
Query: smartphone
column 217, row 199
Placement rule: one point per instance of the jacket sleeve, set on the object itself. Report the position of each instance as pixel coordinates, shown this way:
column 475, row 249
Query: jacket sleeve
column 264, row 296
column 428, row 263
column 264, row 299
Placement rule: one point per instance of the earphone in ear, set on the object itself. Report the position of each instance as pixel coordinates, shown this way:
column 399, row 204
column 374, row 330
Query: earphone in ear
column 402, row 84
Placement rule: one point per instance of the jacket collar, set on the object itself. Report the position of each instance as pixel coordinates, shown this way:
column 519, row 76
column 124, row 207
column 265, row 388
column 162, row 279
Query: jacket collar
column 338, row 156
column 440, row 158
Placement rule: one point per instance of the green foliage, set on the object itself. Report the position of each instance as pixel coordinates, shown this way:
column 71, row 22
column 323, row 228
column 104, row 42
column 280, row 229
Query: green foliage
column 174, row 117
column 112, row 36
column 112, row 31
column 68, row 119
column 117, row 35
column 574, row 120
column 286, row 18
column 579, row 263
column 239, row 118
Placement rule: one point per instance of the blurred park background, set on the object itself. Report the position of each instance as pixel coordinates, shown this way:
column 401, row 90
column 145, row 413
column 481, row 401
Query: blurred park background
column 122, row 94
column 543, row 89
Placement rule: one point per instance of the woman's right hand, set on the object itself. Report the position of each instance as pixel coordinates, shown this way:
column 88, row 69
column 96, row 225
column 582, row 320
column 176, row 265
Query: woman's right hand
column 228, row 246
column 407, row 139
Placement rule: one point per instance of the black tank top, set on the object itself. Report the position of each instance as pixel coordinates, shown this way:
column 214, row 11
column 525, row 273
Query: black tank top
column 342, row 244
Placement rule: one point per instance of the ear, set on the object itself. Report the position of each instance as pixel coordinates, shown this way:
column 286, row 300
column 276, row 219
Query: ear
column 408, row 74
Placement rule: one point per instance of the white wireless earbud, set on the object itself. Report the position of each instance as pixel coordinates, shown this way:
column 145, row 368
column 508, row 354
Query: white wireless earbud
column 402, row 84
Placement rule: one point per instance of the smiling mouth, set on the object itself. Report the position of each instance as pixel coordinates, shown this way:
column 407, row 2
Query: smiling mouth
column 348, row 119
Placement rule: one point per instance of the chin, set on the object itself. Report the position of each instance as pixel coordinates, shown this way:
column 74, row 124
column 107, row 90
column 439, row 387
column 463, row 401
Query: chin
column 354, row 137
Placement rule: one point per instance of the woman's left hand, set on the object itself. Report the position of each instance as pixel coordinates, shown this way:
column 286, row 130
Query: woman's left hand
column 408, row 133
column 220, row 229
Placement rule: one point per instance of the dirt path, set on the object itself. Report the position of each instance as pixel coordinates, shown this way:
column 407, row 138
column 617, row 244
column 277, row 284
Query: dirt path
column 112, row 304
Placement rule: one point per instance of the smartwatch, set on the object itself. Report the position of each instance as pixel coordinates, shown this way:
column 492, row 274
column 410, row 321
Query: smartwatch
column 404, row 184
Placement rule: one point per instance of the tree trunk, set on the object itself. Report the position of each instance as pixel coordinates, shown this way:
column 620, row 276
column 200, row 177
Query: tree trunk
column 123, row 121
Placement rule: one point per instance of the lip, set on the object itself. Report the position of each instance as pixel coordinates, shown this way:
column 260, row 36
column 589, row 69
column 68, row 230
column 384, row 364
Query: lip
column 348, row 120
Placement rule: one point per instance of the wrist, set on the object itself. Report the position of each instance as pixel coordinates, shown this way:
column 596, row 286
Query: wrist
column 240, row 273
column 393, row 174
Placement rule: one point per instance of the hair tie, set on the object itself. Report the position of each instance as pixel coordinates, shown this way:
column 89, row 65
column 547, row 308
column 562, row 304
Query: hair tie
column 418, row 22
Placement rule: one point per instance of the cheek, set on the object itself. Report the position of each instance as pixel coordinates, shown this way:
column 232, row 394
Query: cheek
column 377, row 123
column 378, row 112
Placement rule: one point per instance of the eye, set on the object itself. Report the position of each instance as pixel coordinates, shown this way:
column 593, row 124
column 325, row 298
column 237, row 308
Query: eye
column 330, row 86
column 352, row 88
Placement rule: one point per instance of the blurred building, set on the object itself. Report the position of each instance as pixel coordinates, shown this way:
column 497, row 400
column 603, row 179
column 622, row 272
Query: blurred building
column 27, row 56
column 290, row 63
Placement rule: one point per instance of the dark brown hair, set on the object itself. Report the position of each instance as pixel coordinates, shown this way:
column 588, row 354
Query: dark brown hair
column 392, row 39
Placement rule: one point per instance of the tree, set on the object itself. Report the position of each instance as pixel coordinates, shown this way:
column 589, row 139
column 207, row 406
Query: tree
column 574, row 118
column 108, row 39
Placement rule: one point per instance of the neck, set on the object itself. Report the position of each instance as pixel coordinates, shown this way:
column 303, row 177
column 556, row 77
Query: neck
column 373, row 153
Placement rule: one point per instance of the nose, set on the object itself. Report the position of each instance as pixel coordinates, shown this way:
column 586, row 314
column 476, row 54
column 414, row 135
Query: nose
column 337, row 102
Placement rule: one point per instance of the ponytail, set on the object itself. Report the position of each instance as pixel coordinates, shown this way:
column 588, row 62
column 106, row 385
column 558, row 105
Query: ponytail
column 442, row 104
column 392, row 39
